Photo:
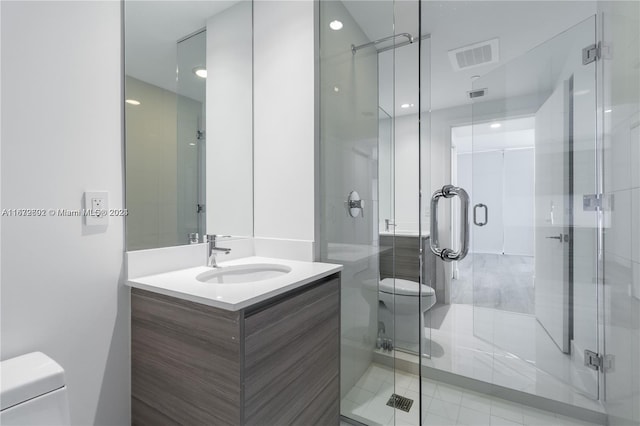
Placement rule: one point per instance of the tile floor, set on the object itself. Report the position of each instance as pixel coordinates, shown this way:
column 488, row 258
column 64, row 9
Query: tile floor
column 443, row 404
column 504, row 348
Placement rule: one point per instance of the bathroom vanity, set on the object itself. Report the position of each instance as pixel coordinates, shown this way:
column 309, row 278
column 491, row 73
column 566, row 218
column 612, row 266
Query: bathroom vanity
column 271, row 356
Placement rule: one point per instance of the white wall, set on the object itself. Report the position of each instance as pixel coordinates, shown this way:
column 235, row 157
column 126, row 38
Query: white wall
column 62, row 289
column 386, row 169
column 284, row 61
column 396, row 74
column 151, row 184
column 407, row 174
column 518, row 201
column 229, row 153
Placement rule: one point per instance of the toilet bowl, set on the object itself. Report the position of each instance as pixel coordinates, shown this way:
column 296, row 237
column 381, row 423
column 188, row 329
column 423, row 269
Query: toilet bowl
column 33, row 391
column 399, row 301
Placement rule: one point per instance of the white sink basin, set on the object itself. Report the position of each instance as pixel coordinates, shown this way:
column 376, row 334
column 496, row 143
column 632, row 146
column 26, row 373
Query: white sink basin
column 244, row 273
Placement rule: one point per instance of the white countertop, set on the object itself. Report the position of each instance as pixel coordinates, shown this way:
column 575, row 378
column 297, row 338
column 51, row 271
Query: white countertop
column 183, row 284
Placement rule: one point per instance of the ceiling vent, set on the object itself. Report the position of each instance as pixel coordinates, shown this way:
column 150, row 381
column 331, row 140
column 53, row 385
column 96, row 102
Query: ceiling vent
column 474, row 55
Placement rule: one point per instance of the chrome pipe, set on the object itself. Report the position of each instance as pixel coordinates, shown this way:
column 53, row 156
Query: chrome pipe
column 404, row 43
column 355, row 48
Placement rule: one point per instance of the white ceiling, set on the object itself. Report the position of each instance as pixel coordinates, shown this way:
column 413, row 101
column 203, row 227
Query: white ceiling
column 519, row 25
column 152, row 29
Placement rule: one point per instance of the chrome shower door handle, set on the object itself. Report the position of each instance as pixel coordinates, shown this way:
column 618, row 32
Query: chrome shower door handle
column 475, row 216
column 447, row 254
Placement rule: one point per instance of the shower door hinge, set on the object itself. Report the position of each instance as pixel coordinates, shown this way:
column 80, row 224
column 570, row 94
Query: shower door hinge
column 592, row 360
column 594, row 202
column 597, row 362
column 200, row 208
column 590, row 54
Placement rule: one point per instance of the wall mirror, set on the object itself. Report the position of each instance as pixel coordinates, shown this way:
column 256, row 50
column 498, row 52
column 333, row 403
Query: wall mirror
column 188, row 120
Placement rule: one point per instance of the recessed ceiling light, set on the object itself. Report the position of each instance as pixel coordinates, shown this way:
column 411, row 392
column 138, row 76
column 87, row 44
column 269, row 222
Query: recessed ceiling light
column 336, row 89
column 132, row 102
column 607, row 110
column 406, row 106
column 335, row 25
column 495, row 125
column 200, row 72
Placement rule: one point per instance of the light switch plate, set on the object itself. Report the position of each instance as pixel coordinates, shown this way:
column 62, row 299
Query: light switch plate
column 96, row 208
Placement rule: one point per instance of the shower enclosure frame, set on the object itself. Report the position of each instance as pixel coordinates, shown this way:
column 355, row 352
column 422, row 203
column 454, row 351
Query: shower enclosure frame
column 424, row 130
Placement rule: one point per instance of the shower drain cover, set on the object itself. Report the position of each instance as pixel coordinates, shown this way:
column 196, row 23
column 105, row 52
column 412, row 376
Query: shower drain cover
column 400, row 402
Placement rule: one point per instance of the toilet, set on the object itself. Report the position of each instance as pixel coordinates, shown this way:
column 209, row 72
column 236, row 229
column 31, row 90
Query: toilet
column 33, row 391
column 399, row 311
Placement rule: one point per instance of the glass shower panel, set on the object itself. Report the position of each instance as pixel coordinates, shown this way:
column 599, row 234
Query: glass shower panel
column 386, row 172
column 371, row 151
column 190, row 107
column 412, row 287
column 400, row 265
column 535, row 234
column 349, row 168
column 428, row 262
column 428, row 270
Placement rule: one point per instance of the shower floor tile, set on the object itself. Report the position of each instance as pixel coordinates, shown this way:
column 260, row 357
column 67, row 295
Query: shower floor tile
column 495, row 346
column 442, row 404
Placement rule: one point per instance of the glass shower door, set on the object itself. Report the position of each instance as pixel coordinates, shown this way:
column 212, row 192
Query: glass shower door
column 533, row 198
column 370, row 196
column 349, row 179
column 191, row 142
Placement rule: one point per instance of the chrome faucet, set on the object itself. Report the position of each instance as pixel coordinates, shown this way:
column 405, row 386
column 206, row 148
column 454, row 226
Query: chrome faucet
column 211, row 240
column 387, row 224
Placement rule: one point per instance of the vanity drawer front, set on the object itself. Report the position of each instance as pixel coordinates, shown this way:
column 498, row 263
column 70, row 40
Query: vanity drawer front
column 185, row 362
column 292, row 359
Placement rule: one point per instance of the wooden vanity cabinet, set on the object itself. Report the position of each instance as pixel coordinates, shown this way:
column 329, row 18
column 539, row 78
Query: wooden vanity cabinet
column 274, row 363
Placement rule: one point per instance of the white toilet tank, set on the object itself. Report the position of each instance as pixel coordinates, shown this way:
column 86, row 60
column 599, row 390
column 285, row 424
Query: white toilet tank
column 33, row 391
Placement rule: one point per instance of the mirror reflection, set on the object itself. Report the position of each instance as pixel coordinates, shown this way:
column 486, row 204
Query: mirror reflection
column 188, row 120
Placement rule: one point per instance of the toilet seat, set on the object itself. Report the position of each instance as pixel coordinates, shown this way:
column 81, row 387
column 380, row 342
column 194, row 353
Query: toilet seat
column 402, row 287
